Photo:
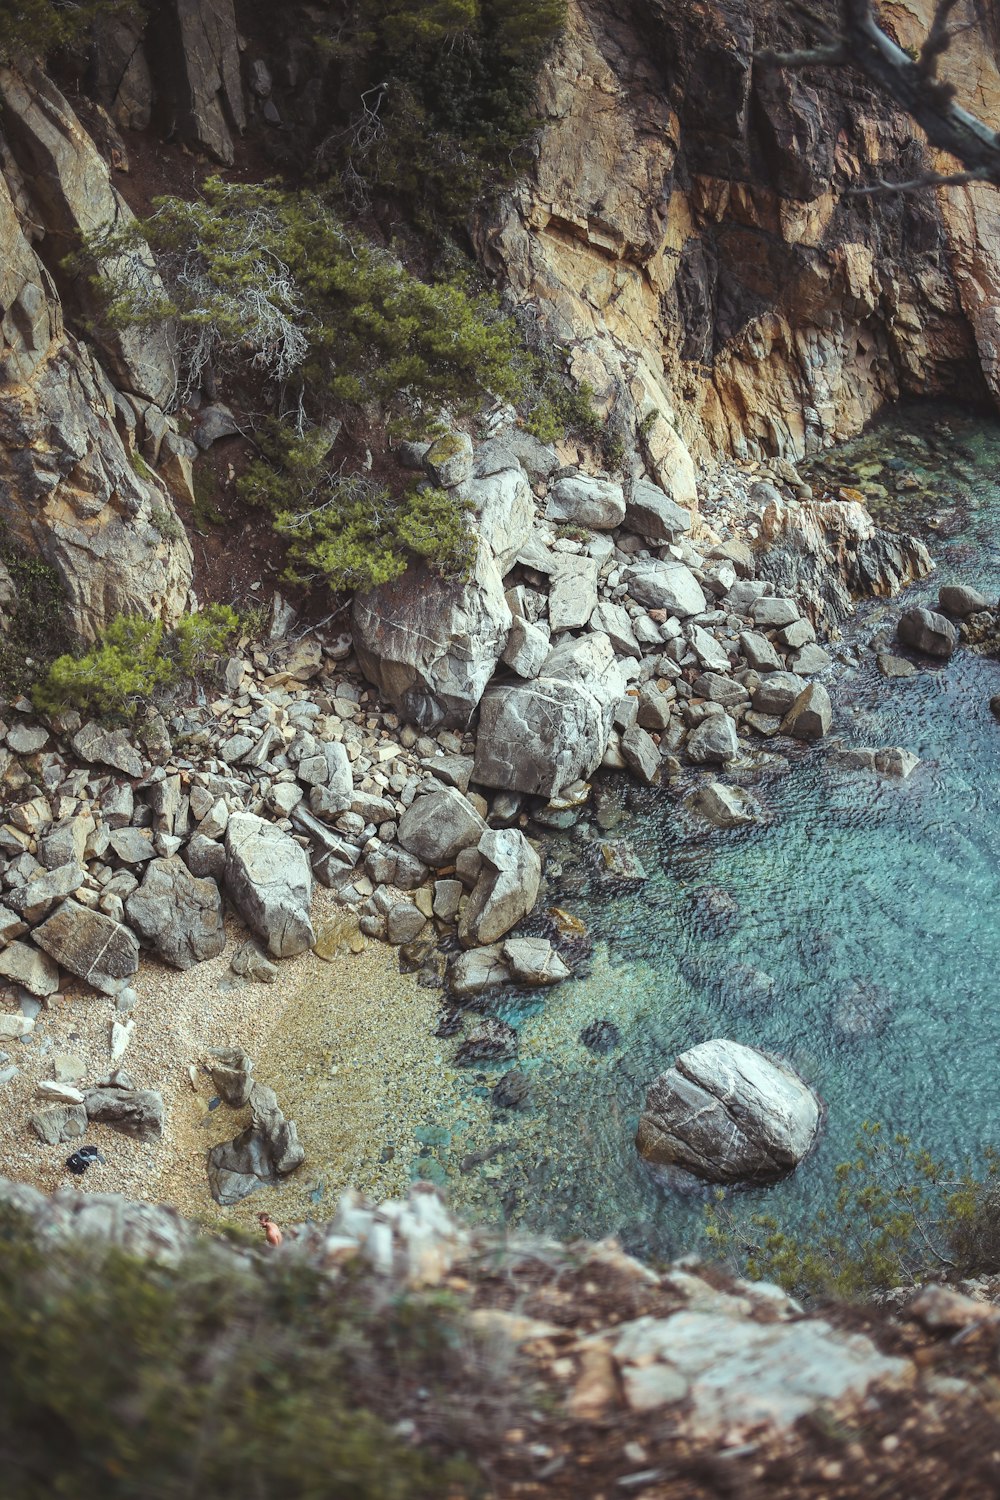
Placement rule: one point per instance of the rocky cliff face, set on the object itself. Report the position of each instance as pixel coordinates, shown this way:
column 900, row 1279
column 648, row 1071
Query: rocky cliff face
column 689, row 231
column 72, row 483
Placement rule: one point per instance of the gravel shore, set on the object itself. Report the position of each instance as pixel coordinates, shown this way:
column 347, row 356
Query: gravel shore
column 347, row 1045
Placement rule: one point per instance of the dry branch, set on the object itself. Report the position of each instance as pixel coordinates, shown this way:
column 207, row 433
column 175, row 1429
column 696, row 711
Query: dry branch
column 912, row 82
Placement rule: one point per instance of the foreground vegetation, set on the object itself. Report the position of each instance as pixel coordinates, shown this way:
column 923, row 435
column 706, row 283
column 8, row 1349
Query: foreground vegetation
column 128, row 1380
column 898, row 1217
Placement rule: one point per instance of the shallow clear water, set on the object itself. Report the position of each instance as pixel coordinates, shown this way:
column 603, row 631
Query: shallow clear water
column 867, row 908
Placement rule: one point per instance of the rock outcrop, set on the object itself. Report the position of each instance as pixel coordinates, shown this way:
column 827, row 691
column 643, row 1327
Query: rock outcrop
column 68, row 486
column 686, row 201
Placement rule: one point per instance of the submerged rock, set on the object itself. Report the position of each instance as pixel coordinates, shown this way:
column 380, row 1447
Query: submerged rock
column 492, row 1040
column 600, row 1036
column 728, row 1113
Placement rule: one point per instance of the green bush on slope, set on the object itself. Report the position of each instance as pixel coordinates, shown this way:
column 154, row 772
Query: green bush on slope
column 129, row 1380
column 133, row 660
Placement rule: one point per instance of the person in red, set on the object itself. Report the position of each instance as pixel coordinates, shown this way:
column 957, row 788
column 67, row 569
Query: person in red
column 272, row 1233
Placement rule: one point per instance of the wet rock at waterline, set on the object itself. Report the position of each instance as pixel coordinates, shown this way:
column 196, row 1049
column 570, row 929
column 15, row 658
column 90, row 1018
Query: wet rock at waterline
column 928, row 633
column 506, row 889
column 957, row 600
column 728, row 1113
column 811, row 715
column 724, row 806
column 713, row 741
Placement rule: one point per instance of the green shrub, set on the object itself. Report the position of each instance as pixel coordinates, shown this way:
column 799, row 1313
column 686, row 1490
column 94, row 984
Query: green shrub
column 166, row 523
column 199, row 639
column 898, row 1217
column 269, row 284
column 132, row 662
column 130, row 1380
column 115, row 678
column 349, row 531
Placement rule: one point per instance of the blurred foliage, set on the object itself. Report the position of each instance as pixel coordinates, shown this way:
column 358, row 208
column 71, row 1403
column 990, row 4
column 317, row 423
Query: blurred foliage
column 442, row 97
column 130, row 1381
column 898, row 1217
column 40, row 27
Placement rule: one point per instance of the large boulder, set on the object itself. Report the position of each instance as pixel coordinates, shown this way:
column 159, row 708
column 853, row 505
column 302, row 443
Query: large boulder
column 581, row 500
column 665, row 585
column 270, row 883
column 714, row 741
column 927, row 632
column 506, row 890
column 961, row 601
column 92, row 946
column 431, row 646
column 504, row 507
column 269, row 1148
column 178, row 915
column 777, row 691
column 540, row 736
column 729, row 1113
column 439, row 825
column 654, row 516
column 811, row 715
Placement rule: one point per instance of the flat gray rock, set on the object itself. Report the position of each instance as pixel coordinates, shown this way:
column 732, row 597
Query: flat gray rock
column 179, row 915
column 94, row 947
column 581, row 500
column 270, row 882
column 665, row 585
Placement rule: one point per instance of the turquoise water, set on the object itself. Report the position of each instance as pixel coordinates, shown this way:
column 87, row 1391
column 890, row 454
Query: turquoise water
column 855, row 935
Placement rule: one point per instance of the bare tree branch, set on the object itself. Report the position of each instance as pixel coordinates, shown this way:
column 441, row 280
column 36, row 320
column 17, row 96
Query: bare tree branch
column 913, row 83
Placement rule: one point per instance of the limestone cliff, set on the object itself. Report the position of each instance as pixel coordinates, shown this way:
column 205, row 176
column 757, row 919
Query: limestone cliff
column 689, row 230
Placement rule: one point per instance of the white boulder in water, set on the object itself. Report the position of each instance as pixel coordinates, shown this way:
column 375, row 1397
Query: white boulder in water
column 729, row 1113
